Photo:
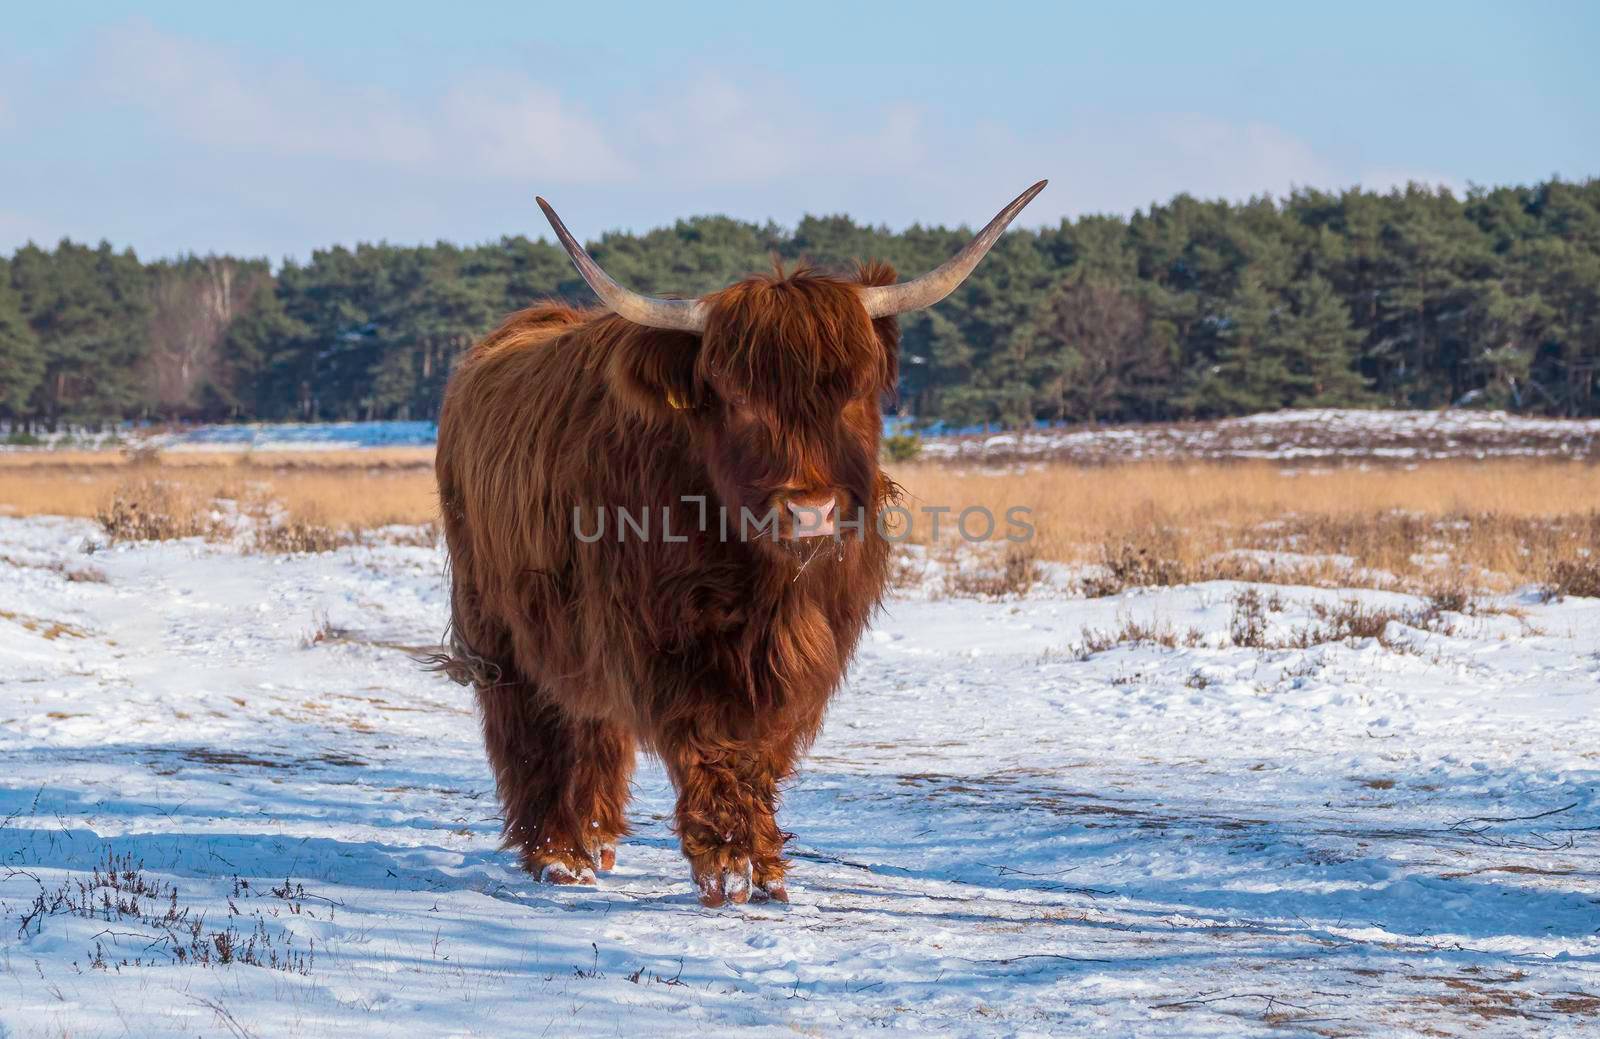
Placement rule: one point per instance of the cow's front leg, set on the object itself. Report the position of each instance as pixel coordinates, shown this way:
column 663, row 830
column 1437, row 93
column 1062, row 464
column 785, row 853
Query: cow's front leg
column 563, row 784
column 727, row 795
column 778, row 756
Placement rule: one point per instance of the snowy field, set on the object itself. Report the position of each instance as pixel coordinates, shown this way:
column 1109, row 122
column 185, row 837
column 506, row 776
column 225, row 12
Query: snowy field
column 1327, row 434
column 1306, row 434
column 1007, row 828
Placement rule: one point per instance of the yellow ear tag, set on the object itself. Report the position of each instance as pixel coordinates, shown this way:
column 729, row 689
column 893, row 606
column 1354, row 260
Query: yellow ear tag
column 676, row 402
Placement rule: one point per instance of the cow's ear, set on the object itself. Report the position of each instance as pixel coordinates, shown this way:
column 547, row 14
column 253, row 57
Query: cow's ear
column 887, row 329
column 654, row 374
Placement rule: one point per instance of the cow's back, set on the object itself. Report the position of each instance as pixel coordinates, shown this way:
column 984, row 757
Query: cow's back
column 530, row 431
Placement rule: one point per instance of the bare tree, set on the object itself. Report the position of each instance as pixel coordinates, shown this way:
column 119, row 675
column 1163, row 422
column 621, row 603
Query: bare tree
column 193, row 302
column 1106, row 357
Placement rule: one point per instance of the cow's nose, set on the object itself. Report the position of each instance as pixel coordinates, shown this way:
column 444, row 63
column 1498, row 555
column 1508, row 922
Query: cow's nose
column 812, row 518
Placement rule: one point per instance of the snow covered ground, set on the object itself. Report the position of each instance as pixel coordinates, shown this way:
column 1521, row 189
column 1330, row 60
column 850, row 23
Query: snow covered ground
column 1002, row 830
column 1304, row 434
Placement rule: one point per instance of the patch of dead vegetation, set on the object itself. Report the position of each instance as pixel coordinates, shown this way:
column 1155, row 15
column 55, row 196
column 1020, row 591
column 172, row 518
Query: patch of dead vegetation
column 155, row 510
column 73, row 572
column 1133, row 632
column 1008, row 574
column 1320, row 435
column 44, row 627
column 118, row 892
column 296, row 537
column 1455, row 529
column 161, row 509
column 1482, row 997
column 965, row 570
column 1350, row 620
column 300, row 501
column 907, row 570
column 1251, row 626
column 231, row 758
column 1577, row 576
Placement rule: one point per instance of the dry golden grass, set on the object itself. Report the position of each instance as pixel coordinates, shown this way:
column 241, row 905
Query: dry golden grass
column 1486, row 525
column 1443, row 528
column 341, row 490
column 382, row 459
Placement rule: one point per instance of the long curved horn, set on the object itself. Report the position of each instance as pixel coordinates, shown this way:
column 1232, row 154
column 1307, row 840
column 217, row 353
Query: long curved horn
column 885, row 300
column 680, row 315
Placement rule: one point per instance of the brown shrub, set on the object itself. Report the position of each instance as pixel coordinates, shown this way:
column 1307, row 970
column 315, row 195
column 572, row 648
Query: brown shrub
column 1134, row 632
column 153, row 510
column 1453, row 594
column 1128, row 565
column 417, row 535
column 1347, row 621
column 298, row 536
column 1353, row 619
column 1012, row 576
column 1248, row 625
column 907, row 569
column 1578, row 576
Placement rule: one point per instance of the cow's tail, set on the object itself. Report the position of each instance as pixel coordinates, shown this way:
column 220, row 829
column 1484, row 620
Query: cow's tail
column 458, row 661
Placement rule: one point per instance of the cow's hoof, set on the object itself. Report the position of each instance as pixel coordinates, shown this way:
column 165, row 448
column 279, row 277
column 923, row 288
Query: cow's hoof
column 771, row 891
column 730, row 884
column 561, row 873
column 608, row 858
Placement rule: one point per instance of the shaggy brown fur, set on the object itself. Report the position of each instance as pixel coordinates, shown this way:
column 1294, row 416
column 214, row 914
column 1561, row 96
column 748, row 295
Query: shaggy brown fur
column 717, row 655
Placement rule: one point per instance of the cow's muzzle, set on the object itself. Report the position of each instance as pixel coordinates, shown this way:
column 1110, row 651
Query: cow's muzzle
column 812, row 515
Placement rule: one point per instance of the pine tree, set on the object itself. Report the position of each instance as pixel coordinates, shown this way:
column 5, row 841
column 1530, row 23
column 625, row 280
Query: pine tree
column 1250, row 373
column 21, row 359
column 89, row 309
column 263, row 357
column 1318, row 346
column 1411, row 297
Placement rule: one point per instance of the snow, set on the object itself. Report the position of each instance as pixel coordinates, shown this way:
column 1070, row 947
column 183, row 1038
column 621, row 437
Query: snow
column 1310, row 434
column 243, row 436
column 299, row 436
column 999, row 832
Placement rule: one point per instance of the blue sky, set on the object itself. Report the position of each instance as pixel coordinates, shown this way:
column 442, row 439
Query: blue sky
column 274, row 130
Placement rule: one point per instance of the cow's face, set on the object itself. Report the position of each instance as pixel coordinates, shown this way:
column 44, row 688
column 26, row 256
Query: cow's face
column 780, row 376
column 786, row 384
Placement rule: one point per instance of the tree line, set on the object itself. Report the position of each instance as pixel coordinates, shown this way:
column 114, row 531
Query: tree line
column 1414, row 298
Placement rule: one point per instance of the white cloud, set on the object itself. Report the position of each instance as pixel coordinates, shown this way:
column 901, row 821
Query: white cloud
column 505, row 126
column 280, row 158
column 1229, row 160
column 713, row 131
column 900, row 163
column 208, row 98
column 1387, row 179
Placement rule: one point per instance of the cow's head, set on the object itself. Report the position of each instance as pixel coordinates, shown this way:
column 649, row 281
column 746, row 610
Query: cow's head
column 780, row 377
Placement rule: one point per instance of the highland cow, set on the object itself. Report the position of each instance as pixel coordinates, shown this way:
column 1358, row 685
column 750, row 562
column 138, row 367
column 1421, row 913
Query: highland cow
column 710, row 642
